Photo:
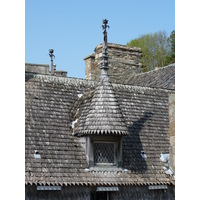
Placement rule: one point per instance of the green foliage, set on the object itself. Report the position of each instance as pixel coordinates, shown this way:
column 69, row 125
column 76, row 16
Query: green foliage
column 172, row 41
column 156, row 49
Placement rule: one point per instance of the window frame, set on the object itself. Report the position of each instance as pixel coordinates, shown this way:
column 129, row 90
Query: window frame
column 90, row 140
column 114, row 153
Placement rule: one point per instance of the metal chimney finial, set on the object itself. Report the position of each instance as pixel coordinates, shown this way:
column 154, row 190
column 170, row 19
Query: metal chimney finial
column 51, row 55
column 104, row 58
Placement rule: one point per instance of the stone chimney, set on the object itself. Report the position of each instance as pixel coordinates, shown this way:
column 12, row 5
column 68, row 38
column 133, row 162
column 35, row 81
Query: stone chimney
column 44, row 70
column 124, row 61
column 37, row 68
column 60, row 73
column 89, row 67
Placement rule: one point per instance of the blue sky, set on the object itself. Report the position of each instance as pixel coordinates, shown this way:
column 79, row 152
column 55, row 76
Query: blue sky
column 73, row 28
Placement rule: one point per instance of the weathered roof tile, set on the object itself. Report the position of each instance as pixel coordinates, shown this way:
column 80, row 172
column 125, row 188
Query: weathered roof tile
column 63, row 160
column 161, row 78
column 104, row 115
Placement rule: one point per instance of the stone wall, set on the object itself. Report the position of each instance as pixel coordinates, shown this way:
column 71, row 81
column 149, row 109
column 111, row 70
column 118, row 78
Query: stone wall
column 143, row 192
column 37, row 68
column 43, row 69
column 89, row 193
column 68, row 193
column 172, row 129
column 123, row 62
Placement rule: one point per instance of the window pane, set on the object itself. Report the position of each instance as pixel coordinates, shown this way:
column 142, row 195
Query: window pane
column 103, row 153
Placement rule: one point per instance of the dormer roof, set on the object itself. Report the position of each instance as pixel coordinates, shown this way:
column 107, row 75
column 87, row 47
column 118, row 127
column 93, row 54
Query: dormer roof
column 104, row 115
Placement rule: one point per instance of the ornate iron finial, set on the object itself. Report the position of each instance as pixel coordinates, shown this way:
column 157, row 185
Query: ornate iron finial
column 105, row 22
column 51, row 56
column 104, row 58
column 104, row 26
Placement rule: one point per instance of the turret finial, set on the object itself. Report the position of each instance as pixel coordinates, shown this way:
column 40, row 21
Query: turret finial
column 104, row 58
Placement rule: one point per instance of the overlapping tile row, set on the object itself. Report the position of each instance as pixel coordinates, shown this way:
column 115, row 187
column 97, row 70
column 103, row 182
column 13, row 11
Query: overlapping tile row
column 104, row 115
column 160, row 78
column 49, row 103
column 146, row 115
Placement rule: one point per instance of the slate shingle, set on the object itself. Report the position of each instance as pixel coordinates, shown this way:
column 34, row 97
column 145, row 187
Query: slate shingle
column 160, row 78
column 49, row 102
column 104, row 115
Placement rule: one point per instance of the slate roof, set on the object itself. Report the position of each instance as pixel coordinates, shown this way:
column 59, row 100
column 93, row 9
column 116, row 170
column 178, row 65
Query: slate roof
column 161, row 78
column 49, row 102
column 103, row 114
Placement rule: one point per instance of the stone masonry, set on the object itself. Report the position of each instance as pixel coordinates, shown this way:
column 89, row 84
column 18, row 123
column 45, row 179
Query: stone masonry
column 172, row 129
column 124, row 61
column 43, row 69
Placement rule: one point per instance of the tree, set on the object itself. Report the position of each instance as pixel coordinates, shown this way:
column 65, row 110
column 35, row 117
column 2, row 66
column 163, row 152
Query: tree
column 155, row 49
column 172, row 41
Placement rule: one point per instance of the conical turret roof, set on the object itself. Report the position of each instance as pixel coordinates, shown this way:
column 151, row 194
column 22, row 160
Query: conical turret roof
column 104, row 115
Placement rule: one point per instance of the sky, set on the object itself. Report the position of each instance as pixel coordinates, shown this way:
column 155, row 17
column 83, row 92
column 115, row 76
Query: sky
column 73, row 28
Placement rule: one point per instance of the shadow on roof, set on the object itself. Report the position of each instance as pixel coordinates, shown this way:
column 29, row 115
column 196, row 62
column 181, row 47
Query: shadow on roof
column 132, row 150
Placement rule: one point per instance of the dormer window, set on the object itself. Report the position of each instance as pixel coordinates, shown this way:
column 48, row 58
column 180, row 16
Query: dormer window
column 104, row 153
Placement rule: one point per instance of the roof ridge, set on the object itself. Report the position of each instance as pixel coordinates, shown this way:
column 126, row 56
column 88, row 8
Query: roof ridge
column 160, row 68
column 66, row 80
